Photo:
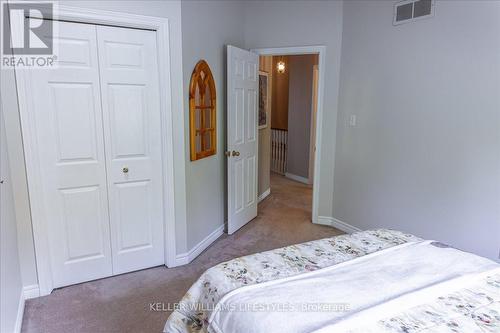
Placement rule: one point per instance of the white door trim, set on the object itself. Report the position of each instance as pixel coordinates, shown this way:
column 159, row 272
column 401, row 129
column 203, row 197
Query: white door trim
column 321, row 51
column 91, row 16
column 312, row 136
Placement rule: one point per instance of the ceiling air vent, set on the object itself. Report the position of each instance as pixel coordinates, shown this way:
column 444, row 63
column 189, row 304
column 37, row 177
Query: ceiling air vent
column 412, row 10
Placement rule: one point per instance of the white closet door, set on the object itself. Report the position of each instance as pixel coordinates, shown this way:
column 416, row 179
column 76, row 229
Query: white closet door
column 65, row 108
column 130, row 93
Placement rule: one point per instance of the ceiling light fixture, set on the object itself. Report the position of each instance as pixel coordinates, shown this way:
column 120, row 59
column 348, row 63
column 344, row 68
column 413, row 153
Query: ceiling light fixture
column 280, row 66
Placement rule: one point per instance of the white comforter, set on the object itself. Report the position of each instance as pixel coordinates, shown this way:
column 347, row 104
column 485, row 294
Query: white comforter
column 351, row 294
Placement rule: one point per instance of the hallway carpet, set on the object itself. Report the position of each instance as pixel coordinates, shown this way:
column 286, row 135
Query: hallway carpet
column 122, row 303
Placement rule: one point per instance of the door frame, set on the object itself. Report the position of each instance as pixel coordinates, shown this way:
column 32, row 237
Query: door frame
column 312, row 136
column 38, row 217
column 320, row 50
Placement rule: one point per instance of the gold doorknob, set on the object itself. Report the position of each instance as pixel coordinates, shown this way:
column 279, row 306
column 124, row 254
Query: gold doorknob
column 236, row 153
column 125, row 170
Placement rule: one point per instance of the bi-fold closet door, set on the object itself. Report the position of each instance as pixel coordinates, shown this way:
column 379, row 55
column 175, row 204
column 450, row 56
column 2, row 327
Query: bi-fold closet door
column 96, row 120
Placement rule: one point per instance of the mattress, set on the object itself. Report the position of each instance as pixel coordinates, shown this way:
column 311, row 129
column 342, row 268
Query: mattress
column 372, row 281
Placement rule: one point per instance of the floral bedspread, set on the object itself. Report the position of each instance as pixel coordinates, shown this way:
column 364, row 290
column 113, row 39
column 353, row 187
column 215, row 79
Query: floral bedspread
column 196, row 306
column 475, row 308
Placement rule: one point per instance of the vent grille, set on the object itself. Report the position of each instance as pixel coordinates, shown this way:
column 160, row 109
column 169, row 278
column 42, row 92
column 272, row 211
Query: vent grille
column 412, row 10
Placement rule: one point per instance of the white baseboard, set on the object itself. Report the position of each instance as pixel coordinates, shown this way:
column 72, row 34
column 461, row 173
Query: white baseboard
column 187, row 257
column 31, row 291
column 324, row 220
column 264, row 194
column 341, row 225
column 297, row 178
column 20, row 313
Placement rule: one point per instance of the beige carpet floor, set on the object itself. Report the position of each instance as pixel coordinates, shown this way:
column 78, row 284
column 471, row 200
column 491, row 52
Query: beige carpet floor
column 122, row 303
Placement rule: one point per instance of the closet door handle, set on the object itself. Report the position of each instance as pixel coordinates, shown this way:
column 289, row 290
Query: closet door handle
column 125, row 170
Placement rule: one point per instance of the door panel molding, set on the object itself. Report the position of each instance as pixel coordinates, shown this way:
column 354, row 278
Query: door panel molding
column 34, row 174
column 72, row 172
column 242, row 136
column 131, row 117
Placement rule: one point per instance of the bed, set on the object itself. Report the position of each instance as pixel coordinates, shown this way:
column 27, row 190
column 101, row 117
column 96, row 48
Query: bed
column 370, row 281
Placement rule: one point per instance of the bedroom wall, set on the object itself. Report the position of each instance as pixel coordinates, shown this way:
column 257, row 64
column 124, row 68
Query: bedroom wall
column 207, row 27
column 11, row 301
column 299, row 112
column 18, row 178
column 299, row 23
column 425, row 154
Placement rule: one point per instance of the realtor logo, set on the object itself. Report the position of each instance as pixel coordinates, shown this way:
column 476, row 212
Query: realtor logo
column 28, row 34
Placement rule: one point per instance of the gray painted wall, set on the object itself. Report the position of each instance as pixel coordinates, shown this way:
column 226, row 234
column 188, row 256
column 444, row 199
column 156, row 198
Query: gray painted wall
column 425, row 156
column 18, row 177
column 207, row 27
column 299, row 113
column 299, row 23
column 10, row 274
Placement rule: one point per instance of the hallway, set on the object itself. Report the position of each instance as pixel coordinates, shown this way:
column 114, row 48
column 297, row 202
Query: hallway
column 287, row 194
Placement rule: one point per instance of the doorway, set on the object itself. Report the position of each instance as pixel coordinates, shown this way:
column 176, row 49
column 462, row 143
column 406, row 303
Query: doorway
column 243, row 149
column 290, row 147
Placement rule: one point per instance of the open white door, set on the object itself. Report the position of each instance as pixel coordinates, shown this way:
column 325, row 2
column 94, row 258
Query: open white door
column 242, row 144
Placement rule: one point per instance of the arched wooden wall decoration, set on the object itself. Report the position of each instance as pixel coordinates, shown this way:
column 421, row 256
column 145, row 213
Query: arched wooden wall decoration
column 202, row 112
